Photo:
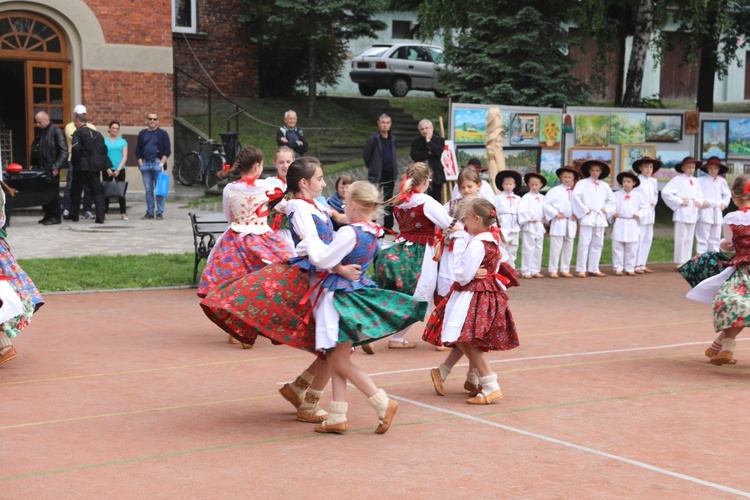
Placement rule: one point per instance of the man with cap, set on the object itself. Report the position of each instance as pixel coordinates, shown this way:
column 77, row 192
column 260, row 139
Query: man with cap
column 485, row 190
column 593, row 201
column 716, row 197
column 683, row 195
column 70, row 129
column 428, row 148
column 648, row 188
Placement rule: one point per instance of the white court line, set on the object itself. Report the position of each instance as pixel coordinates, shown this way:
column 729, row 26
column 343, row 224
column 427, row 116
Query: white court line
column 566, row 355
column 577, row 447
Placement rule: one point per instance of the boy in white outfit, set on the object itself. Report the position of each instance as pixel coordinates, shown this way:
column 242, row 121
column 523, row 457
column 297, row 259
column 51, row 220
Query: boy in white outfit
column 593, row 200
column 684, row 196
column 506, row 206
column 558, row 210
column 531, row 220
column 649, row 189
column 631, row 207
column 716, row 197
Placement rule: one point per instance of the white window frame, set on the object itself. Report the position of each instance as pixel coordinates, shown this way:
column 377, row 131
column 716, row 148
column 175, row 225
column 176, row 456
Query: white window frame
column 193, row 28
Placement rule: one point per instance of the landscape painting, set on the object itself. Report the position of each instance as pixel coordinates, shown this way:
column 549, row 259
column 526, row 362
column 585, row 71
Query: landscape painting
column 669, row 158
column 663, row 128
column 465, row 153
column 470, row 125
column 633, row 152
column 592, row 130
column 524, row 160
column 580, row 155
column 551, row 161
column 714, row 139
column 739, row 137
column 627, row 128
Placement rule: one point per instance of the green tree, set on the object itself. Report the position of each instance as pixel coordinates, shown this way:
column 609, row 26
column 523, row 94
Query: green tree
column 305, row 42
column 514, row 52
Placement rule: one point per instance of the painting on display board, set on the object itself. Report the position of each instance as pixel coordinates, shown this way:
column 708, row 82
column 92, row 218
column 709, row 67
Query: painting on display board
column 632, row 152
column 524, row 130
column 663, row 128
column 592, row 130
column 523, row 159
column 692, row 122
column 580, row 155
column 550, row 131
column 714, row 139
column 551, row 161
column 465, row 153
column 669, row 158
column 737, row 167
column 739, row 137
column 470, row 125
column 627, row 128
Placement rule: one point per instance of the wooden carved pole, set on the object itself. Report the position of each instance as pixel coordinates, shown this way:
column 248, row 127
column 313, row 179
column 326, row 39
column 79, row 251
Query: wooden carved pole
column 495, row 156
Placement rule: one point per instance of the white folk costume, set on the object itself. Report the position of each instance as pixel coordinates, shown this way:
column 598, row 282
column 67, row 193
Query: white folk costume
column 679, row 189
column 531, row 207
column 708, row 228
column 592, row 200
column 630, row 207
column 282, row 227
column 455, row 244
column 649, row 191
column 562, row 231
column 485, row 191
column 506, row 206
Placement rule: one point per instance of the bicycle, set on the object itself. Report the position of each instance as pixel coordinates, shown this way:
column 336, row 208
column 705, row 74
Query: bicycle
column 196, row 167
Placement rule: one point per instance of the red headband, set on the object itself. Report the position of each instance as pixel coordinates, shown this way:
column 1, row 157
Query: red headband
column 747, row 188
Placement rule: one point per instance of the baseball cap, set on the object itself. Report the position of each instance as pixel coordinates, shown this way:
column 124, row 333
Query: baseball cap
column 80, row 109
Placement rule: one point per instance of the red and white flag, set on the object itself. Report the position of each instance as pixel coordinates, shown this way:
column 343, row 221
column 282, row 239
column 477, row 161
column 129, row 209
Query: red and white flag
column 448, row 159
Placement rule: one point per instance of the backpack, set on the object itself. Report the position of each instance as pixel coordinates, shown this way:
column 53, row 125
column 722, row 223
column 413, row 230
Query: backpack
column 93, row 151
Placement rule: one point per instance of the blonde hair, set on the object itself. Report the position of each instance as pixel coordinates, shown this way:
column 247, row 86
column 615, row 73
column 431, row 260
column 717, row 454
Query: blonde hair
column 463, row 203
column 739, row 185
column 415, row 175
column 468, row 174
column 282, row 150
column 486, row 211
column 367, row 196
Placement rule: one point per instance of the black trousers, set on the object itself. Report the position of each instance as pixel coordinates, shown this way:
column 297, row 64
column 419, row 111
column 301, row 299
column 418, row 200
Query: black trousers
column 386, row 186
column 436, row 191
column 52, row 209
column 92, row 180
column 120, row 177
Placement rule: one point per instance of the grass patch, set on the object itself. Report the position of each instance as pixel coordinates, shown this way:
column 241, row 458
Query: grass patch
column 425, row 107
column 99, row 272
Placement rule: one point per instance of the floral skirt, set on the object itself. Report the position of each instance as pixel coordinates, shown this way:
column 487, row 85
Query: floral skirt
column 732, row 302
column 236, row 255
column 24, row 285
column 703, row 266
column 489, row 323
column 370, row 314
column 265, row 303
column 398, row 268
column 11, row 327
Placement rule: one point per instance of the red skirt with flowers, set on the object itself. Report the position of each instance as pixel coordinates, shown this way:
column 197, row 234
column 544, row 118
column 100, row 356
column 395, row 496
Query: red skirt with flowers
column 489, row 323
column 236, row 255
column 265, row 303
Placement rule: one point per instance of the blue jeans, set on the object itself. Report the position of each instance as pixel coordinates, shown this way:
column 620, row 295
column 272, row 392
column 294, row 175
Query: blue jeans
column 150, row 171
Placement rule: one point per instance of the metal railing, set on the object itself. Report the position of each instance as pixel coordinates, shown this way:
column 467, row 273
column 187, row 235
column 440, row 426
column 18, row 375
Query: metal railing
column 210, row 95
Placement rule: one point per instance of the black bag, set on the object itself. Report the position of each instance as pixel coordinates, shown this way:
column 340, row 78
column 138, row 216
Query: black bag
column 114, row 189
column 93, row 150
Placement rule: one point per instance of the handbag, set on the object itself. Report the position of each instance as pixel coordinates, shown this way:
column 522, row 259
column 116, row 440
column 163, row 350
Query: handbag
column 162, row 184
column 114, row 189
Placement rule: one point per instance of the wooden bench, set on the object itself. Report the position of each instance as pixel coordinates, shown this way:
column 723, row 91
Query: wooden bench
column 206, row 228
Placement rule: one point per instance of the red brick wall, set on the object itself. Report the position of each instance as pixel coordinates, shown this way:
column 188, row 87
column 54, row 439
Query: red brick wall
column 127, row 97
column 223, row 48
column 137, row 22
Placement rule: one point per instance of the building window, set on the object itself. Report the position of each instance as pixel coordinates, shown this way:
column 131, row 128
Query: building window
column 401, row 29
column 184, row 16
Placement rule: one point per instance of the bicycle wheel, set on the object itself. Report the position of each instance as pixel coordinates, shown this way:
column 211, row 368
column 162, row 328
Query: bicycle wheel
column 215, row 166
column 190, row 169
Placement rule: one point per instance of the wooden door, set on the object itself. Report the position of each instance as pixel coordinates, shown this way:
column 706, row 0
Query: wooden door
column 46, row 90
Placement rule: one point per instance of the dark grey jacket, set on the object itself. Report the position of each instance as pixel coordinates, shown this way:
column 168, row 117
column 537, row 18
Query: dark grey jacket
column 52, row 152
column 374, row 158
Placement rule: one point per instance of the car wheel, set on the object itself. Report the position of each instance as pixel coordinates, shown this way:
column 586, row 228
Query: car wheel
column 367, row 91
column 400, row 86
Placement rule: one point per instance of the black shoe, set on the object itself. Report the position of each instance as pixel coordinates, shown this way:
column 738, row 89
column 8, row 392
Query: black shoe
column 147, row 216
column 99, row 221
column 42, row 221
column 51, row 222
column 159, row 217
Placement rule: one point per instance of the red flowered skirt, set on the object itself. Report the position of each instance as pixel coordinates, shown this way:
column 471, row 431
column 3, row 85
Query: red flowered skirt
column 265, row 303
column 489, row 323
column 236, row 255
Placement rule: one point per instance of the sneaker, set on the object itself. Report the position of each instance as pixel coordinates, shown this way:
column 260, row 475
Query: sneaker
column 66, row 214
column 88, row 215
column 159, row 217
column 147, row 216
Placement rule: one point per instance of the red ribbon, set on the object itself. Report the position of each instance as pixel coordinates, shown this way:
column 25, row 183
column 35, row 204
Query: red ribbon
column 569, row 190
column 276, row 224
column 495, row 231
column 747, row 188
column 691, row 182
column 439, row 245
column 498, row 277
column 627, row 196
column 250, row 181
column 306, row 297
column 510, row 199
column 275, row 194
column 596, row 185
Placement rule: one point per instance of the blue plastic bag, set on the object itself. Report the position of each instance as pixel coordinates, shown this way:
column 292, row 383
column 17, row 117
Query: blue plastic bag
column 162, row 184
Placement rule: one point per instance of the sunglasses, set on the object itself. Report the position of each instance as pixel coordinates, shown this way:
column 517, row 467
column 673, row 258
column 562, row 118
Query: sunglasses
column 152, row 119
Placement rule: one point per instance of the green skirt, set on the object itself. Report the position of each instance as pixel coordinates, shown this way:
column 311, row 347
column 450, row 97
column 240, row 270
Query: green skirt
column 399, row 267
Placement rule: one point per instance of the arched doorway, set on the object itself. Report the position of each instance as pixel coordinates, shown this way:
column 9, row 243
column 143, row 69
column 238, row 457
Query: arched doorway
column 34, row 76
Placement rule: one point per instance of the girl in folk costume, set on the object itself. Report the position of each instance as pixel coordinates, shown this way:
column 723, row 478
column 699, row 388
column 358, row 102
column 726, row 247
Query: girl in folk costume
column 649, row 190
column 249, row 243
column 409, row 266
column 631, row 206
column 729, row 291
column 272, row 302
column 683, row 195
column 476, row 318
column 485, row 190
column 18, row 295
column 716, row 197
column 506, row 205
column 592, row 201
column 558, row 209
column 531, row 220
column 355, row 312
column 282, row 158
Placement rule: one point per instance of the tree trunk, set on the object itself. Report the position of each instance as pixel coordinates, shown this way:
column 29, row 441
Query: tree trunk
column 312, row 75
column 622, row 36
column 641, row 39
column 708, row 61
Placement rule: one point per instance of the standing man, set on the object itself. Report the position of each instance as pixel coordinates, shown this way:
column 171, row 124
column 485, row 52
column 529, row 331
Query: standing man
column 52, row 153
column 382, row 167
column 289, row 135
column 89, row 158
column 152, row 150
column 428, row 148
column 70, row 129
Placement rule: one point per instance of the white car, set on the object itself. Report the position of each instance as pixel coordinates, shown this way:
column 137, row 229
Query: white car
column 399, row 67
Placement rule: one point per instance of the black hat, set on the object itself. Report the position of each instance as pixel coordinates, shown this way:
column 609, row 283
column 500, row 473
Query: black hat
column 500, row 177
column 686, row 160
column 576, row 173
column 474, row 162
column 714, row 160
column 640, row 161
column 527, row 178
column 590, row 163
column 631, row 175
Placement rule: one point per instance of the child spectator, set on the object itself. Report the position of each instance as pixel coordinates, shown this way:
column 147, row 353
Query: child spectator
column 625, row 232
column 336, row 201
column 506, row 205
column 716, row 197
column 646, row 168
column 558, row 210
column 531, row 220
column 683, row 195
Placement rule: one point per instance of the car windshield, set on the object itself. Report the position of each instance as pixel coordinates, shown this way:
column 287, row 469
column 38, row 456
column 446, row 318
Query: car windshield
column 374, row 52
